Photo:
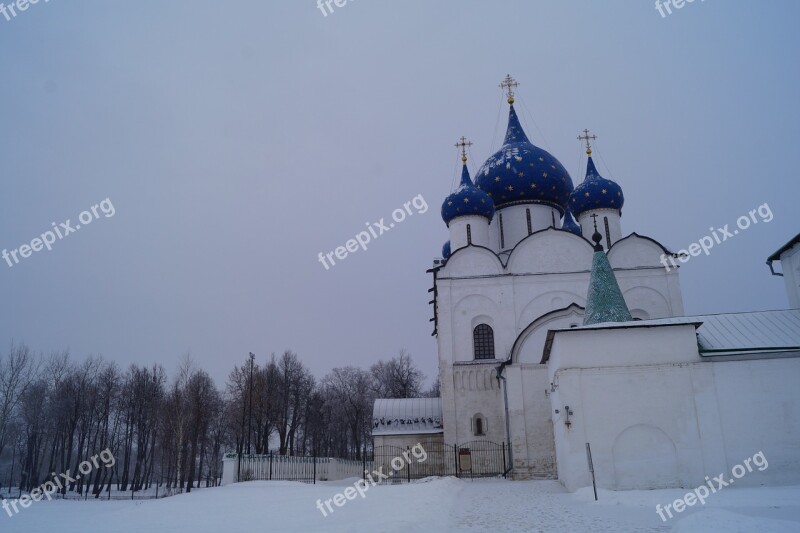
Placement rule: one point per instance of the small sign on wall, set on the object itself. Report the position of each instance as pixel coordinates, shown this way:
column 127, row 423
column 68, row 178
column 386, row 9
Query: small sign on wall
column 465, row 459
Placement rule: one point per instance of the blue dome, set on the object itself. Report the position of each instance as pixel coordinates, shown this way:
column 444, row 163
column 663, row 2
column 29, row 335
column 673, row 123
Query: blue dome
column 595, row 192
column 521, row 173
column 446, row 250
column 467, row 200
column 570, row 225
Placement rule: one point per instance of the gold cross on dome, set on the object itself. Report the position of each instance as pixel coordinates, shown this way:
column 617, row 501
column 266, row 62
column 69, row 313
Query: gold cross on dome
column 463, row 144
column 508, row 85
column 586, row 137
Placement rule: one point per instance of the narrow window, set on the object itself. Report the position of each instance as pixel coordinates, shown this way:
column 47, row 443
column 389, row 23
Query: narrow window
column 502, row 237
column 530, row 226
column 608, row 234
column 483, row 341
column 553, row 217
column 469, row 234
column 479, row 425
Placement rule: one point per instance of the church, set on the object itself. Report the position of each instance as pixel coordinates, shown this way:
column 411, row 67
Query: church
column 559, row 331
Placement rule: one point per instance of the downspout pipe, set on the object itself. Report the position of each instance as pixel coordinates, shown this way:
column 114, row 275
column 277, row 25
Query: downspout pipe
column 501, row 377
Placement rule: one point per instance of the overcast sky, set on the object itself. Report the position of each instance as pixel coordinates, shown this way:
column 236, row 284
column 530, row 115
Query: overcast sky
column 236, row 140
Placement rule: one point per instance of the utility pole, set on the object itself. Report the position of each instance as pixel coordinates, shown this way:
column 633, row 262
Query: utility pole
column 250, row 416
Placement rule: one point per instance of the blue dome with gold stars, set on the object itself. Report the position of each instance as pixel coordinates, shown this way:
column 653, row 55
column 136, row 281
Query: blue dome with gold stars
column 522, row 173
column 595, row 192
column 446, row 250
column 467, row 200
column 570, row 225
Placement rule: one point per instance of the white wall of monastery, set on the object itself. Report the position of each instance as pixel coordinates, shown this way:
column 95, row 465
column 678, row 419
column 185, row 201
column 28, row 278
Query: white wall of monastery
column 657, row 415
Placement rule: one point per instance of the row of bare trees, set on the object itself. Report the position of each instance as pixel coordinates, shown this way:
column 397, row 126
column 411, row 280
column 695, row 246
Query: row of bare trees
column 56, row 412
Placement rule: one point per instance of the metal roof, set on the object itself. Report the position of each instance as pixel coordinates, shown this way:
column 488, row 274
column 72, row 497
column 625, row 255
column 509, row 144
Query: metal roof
column 404, row 416
column 777, row 255
column 730, row 333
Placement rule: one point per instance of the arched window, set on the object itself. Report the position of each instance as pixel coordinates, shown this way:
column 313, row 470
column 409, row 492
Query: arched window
column 483, row 341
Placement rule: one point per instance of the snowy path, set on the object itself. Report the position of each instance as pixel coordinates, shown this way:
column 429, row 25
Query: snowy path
column 540, row 507
column 439, row 505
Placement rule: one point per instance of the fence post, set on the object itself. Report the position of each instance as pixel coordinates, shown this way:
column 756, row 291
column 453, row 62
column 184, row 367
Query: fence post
column 408, row 465
column 270, row 466
column 315, row 470
column 455, row 452
column 504, row 458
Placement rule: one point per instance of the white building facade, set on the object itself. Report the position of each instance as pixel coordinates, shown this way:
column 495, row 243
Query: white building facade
column 663, row 399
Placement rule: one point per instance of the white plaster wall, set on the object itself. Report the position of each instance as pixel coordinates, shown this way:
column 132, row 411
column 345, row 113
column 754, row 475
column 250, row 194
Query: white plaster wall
column 614, row 225
column 477, row 391
column 479, row 229
column 406, row 441
column 657, row 415
column 790, row 263
column 515, row 222
column 759, row 410
column 547, row 271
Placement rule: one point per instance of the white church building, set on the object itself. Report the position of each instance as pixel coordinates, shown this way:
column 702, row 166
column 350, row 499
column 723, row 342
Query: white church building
column 556, row 328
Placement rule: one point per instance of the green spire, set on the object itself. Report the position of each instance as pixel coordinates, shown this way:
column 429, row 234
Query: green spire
column 604, row 301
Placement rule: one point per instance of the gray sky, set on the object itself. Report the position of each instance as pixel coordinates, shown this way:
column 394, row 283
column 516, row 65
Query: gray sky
column 238, row 139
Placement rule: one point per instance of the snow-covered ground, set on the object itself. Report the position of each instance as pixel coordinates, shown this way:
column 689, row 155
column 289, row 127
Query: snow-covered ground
column 438, row 505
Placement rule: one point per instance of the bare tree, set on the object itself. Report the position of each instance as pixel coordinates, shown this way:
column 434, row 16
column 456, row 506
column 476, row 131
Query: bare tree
column 397, row 378
column 17, row 371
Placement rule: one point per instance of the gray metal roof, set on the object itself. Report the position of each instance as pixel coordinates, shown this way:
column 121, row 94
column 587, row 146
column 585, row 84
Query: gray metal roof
column 731, row 333
column 777, row 255
column 404, row 416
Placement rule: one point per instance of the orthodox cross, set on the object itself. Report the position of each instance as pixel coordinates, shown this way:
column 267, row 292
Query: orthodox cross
column 508, row 85
column 463, row 144
column 586, row 137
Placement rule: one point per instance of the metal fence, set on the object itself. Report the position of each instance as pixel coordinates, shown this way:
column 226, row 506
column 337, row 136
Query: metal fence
column 154, row 492
column 475, row 459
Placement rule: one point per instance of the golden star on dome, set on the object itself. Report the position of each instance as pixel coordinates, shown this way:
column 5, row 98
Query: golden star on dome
column 449, row 203
column 466, row 200
column 521, row 174
column 533, row 185
column 510, row 188
column 541, row 159
column 586, row 194
column 604, row 191
column 544, row 174
column 497, row 178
